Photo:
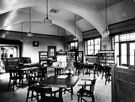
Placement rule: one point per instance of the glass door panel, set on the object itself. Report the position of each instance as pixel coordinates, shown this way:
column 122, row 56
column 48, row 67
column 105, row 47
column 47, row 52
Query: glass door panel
column 123, row 53
column 131, row 53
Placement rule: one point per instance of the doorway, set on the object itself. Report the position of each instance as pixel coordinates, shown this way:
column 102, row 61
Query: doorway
column 7, row 51
column 127, row 53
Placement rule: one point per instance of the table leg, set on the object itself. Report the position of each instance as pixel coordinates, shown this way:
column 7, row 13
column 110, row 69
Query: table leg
column 60, row 95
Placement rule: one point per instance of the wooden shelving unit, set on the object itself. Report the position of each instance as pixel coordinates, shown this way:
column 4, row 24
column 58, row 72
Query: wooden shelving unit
column 72, row 56
column 106, row 58
column 43, row 57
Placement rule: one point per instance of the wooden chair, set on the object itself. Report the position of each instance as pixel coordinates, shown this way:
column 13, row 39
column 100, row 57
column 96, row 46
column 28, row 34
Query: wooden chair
column 68, row 89
column 16, row 76
column 107, row 74
column 44, row 94
column 31, row 83
column 87, row 91
column 41, row 73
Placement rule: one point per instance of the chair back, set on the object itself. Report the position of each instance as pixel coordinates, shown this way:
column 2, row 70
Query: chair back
column 42, row 90
column 92, row 86
column 15, row 74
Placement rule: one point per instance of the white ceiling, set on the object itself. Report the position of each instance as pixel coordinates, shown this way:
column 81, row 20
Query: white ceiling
column 89, row 14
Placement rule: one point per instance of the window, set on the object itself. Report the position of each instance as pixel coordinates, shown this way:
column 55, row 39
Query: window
column 125, row 49
column 73, row 46
column 93, row 46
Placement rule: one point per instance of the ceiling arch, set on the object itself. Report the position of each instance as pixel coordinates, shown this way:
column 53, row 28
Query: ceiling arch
column 20, row 16
column 87, row 12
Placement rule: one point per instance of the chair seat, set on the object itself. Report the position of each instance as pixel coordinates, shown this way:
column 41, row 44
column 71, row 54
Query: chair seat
column 84, row 93
column 49, row 99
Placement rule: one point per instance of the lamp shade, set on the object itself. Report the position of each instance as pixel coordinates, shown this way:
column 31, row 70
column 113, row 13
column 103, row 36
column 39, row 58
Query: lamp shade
column 48, row 21
column 29, row 34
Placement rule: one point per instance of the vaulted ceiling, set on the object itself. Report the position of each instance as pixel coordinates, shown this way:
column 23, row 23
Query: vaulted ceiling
column 65, row 14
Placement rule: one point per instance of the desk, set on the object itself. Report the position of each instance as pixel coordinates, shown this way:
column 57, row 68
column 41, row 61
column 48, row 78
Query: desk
column 55, row 81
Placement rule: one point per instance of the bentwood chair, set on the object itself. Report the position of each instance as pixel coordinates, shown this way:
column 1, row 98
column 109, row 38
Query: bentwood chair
column 31, row 83
column 45, row 94
column 87, row 91
column 107, row 74
column 16, row 76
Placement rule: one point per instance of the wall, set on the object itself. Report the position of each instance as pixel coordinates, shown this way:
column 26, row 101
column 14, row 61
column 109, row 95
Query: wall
column 30, row 51
column 44, row 41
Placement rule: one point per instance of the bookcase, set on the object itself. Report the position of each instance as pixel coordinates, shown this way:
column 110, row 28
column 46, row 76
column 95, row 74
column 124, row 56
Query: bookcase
column 43, row 57
column 72, row 56
column 106, row 58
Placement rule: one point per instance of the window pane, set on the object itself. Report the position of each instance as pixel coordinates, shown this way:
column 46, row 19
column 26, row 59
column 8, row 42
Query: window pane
column 123, row 37
column 123, row 53
column 97, row 41
column 131, row 60
column 91, row 42
column 88, row 42
column 116, row 38
column 97, row 47
column 132, row 36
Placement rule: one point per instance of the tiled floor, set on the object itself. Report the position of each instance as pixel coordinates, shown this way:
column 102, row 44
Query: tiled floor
column 102, row 91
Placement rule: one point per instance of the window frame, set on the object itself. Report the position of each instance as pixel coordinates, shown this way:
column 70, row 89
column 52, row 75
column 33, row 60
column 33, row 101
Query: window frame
column 94, row 44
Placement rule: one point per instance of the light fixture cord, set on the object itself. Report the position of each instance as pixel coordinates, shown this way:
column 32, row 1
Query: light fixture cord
column 46, row 9
column 22, row 30
column 30, row 19
column 75, row 25
column 106, row 15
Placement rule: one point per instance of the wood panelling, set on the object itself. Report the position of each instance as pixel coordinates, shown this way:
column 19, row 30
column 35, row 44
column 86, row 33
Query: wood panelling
column 123, row 85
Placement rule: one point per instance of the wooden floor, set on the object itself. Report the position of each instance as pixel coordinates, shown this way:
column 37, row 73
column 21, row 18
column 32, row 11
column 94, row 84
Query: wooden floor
column 102, row 91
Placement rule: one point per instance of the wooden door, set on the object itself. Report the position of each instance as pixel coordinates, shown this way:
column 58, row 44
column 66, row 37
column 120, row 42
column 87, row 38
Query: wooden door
column 123, row 85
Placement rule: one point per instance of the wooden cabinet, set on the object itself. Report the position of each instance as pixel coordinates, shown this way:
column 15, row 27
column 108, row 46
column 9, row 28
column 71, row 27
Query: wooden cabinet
column 123, row 84
column 43, row 57
column 106, row 58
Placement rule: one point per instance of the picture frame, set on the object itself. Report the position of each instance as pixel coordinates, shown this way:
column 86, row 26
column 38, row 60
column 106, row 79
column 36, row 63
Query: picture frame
column 52, row 52
column 35, row 43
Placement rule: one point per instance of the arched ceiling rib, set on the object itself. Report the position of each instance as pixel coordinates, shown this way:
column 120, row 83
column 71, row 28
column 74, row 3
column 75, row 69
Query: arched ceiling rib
column 91, row 15
column 91, row 11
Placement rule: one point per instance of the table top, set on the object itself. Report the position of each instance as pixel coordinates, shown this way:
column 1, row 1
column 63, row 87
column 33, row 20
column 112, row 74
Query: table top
column 57, row 67
column 57, row 81
column 30, row 68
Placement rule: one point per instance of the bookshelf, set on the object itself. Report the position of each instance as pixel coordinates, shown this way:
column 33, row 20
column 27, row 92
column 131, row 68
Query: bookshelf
column 72, row 56
column 43, row 57
column 106, row 58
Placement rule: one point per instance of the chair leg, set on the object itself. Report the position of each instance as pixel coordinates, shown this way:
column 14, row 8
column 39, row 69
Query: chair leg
column 72, row 93
column 93, row 99
column 27, row 95
column 78, row 98
column 9, row 83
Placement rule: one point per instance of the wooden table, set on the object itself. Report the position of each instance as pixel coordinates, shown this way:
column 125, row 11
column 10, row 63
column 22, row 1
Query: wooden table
column 30, row 68
column 56, row 81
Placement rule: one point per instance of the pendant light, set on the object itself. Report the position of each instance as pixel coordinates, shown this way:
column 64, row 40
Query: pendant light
column 21, row 32
column 29, row 33
column 106, row 32
column 47, row 20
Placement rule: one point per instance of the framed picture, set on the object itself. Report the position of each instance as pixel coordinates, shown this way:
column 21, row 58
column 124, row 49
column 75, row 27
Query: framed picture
column 35, row 43
column 52, row 52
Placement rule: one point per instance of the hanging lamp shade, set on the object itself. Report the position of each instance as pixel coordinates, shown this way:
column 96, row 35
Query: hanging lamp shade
column 47, row 20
